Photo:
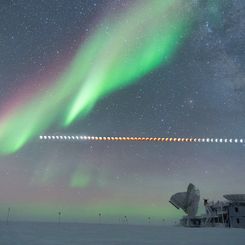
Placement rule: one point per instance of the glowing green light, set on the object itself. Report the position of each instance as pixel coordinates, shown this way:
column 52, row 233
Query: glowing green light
column 80, row 180
column 116, row 55
column 139, row 43
column 80, row 212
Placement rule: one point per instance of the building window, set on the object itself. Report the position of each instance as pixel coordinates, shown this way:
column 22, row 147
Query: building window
column 238, row 221
column 236, row 209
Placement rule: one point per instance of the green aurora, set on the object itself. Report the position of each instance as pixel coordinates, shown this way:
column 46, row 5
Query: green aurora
column 103, row 64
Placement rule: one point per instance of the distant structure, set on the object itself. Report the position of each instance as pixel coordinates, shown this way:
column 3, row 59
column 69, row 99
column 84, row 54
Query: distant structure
column 149, row 220
column 59, row 217
column 229, row 213
column 235, row 210
column 8, row 214
column 100, row 218
column 163, row 220
column 126, row 219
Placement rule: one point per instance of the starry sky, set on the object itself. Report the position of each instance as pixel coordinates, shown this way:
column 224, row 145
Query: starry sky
column 155, row 68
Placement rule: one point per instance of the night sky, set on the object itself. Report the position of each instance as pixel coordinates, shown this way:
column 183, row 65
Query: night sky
column 118, row 68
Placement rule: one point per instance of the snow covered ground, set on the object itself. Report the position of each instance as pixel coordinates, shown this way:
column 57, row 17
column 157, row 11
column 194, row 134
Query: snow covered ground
column 73, row 234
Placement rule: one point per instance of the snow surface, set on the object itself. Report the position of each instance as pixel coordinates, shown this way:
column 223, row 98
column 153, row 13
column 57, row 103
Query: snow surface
column 20, row 233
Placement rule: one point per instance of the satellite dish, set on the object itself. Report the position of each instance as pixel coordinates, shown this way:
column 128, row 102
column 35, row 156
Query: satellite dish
column 187, row 201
